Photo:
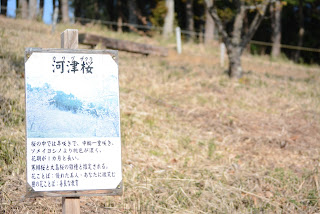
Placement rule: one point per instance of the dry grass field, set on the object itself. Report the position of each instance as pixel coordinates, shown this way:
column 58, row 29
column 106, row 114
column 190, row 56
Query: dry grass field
column 193, row 141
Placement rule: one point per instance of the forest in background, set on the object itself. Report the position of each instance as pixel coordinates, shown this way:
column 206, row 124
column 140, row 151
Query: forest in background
column 291, row 23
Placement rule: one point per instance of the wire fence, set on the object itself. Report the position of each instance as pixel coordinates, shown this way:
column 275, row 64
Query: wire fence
column 141, row 27
column 184, row 32
column 292, row 47
column 190, row 33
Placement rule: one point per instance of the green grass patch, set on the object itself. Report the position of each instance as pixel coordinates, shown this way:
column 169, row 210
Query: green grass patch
column 157, row 153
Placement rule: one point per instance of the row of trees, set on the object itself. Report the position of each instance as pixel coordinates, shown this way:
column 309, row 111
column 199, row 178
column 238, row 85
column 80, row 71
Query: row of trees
column 33, row 9
column 235, row 21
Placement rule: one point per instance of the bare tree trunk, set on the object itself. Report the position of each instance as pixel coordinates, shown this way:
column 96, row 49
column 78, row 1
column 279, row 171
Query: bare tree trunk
column 41, row 4
column 234, row 49
column 140, row 17
column 60, row 10
column 40, row 12
column 235, row 68
column 22, row 9
column 18, row 12
column 120, row 16
column 133, row 19
column 32, row 9
column 168, row 21
column 276, row 26
column 246, row 25
column 209, row 26
column 301, row 30
column 96, row 10
column 4, row 5
column 238, row 24
column 77, row 8
column 189, row 19
column 65, row 11
column 236, row 42
column 53, row 6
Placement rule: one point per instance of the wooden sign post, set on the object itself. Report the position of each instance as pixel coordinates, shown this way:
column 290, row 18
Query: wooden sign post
column 69, row 40
column 72, row 123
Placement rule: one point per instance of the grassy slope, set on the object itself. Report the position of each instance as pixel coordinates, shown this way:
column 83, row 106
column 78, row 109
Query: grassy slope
column 193, row 141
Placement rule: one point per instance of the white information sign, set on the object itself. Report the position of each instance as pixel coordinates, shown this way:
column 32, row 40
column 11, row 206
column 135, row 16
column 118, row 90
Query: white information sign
column 72, row 120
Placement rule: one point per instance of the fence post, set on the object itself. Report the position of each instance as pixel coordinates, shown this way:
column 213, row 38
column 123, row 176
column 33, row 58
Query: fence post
column 178, row 38
column 69, row 40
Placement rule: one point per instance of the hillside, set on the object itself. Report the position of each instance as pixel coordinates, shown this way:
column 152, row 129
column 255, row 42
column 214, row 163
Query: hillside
column 193, row 141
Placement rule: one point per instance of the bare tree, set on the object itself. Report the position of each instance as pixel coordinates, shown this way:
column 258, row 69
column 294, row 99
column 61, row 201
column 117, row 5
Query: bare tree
column 301, row 30
column 53, row 5
column 65, row 11
column 168, row 21
column 22, row 11
column 32, row 9
column 77, row 6
column 135, row 15
column 120, row 16
column 236, row 42
column 40, row 12
column 132, row 6
column 4, row 5
column 209, row 26
column 189, row 18
column 60, row 10
column 275, row 10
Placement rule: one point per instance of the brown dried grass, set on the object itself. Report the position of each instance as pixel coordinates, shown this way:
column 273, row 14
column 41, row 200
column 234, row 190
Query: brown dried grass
column 193, row 141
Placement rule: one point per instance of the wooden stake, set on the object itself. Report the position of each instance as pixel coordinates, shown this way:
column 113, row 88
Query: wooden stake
column 71, row 205
column 178, row 38
column 69, row 40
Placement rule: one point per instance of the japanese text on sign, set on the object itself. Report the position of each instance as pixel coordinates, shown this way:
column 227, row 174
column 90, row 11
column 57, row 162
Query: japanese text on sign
column 72, row 65
column 61, row 164
column 72, row 121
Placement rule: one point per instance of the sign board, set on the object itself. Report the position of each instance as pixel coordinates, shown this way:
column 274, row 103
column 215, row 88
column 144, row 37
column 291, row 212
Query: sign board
column 72, row 123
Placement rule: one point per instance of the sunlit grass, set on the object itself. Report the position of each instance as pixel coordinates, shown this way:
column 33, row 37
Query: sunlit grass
column 193, row 141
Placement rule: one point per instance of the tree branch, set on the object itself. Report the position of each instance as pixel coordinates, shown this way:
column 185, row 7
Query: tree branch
column 254, row 25
column 238, row 23
column 256, row 7
column 214, row 14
